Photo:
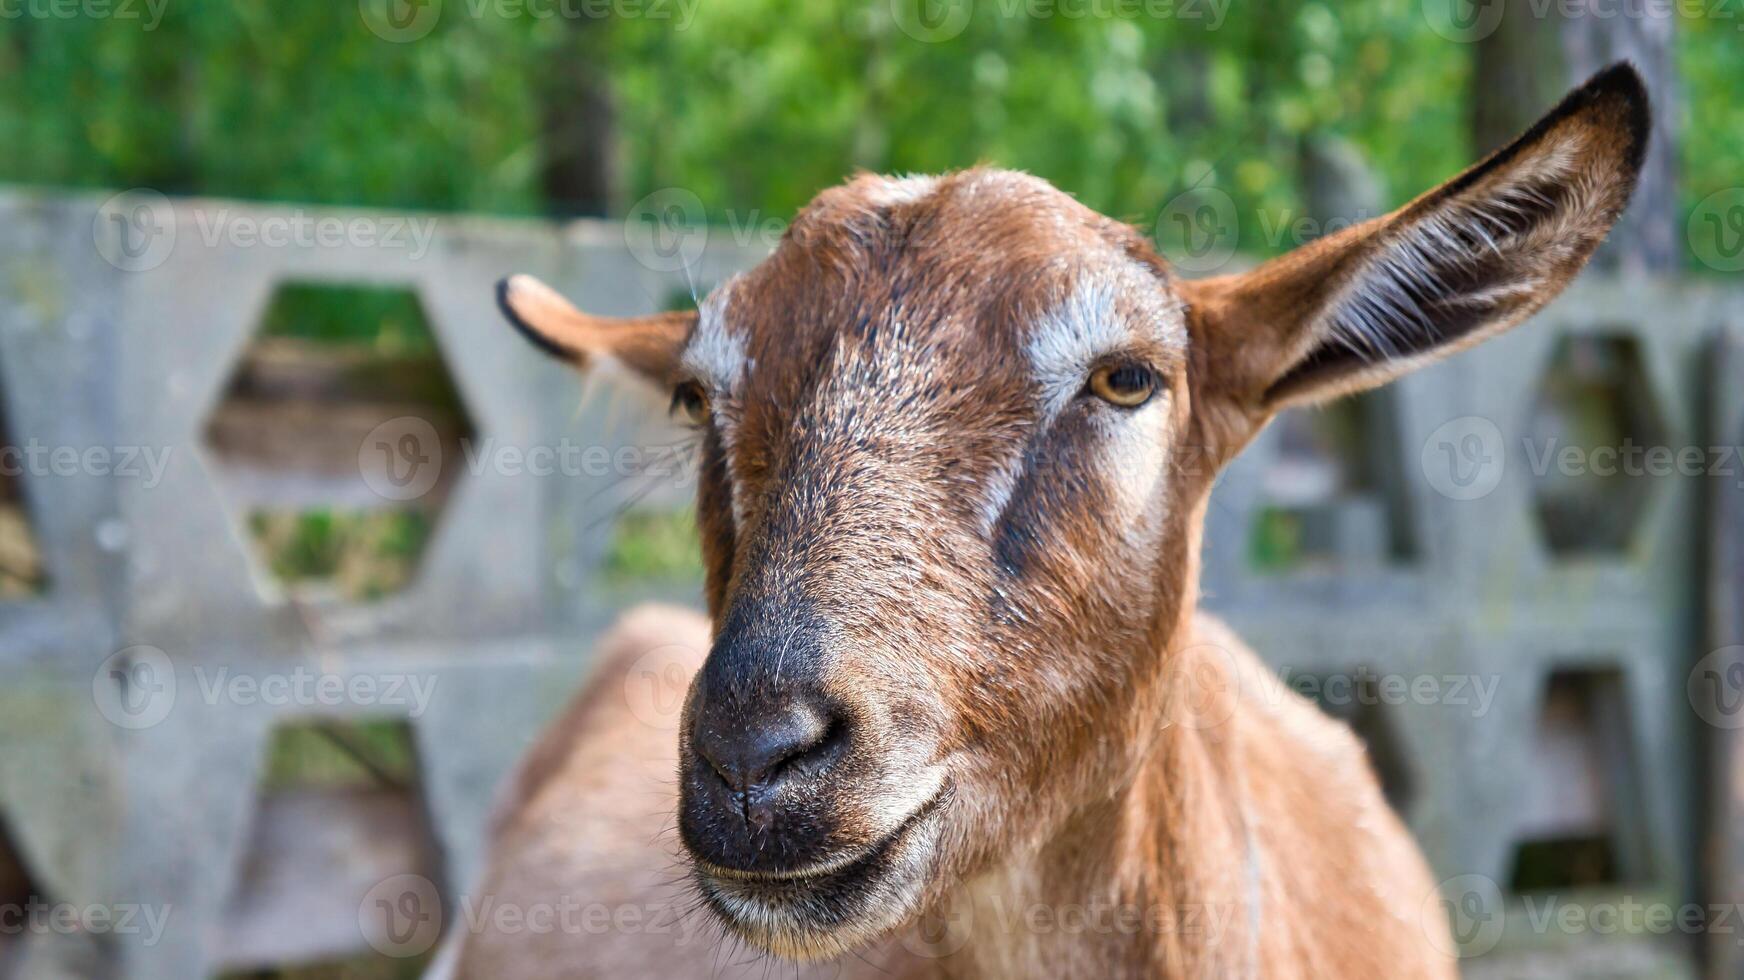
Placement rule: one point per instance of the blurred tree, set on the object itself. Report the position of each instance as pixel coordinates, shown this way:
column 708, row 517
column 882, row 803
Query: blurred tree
column 1526, row 55
column 755, row 104
column 578, row 124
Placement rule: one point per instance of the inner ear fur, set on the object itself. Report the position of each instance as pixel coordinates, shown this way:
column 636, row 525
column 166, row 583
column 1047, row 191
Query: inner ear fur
column 1459, row 264
column 648, row 345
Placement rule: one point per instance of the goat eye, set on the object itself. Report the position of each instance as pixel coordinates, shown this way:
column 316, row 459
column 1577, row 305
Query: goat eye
column 690, row 400
column 1126, row 385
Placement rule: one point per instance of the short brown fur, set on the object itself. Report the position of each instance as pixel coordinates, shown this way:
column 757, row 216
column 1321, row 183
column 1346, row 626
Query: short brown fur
column 1000, row 571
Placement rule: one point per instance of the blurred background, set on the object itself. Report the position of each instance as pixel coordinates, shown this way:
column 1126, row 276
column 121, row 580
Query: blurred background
column 598, row 141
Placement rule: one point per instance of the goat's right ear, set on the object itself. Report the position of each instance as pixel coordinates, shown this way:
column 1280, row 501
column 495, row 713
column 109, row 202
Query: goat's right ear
column 647, row 345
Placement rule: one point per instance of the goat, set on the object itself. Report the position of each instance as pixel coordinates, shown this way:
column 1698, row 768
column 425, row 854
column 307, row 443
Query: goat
column 954, row 710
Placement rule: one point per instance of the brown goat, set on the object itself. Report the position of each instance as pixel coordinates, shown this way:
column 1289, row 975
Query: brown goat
column 958, row 713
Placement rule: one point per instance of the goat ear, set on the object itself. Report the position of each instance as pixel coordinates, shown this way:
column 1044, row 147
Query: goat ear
column 1462, row 263
column 648, row 345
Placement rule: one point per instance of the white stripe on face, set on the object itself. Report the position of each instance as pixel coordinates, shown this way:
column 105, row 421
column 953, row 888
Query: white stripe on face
column 716, row 357
column 1087, row 326
column 1063, row 346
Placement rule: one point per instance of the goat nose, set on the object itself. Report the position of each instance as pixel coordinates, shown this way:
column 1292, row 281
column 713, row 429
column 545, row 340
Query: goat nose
column 751, row 747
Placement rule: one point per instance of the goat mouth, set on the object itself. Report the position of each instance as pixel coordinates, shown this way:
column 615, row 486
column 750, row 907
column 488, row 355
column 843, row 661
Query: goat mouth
column 833, row 907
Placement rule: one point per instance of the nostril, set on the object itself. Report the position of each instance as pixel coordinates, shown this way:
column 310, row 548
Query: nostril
column 832, row 732
column 754, row 746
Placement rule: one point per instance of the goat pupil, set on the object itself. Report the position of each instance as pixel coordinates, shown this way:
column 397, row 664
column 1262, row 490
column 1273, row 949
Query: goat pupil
column 688, row 398
column 1128, row 379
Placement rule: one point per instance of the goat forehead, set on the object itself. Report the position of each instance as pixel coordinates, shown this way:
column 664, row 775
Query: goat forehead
column 972, row 272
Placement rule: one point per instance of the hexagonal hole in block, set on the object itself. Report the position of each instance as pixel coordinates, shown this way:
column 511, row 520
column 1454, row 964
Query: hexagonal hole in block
column 1580, row 823
column 339, row 437
column 1592, row 421
column 21, row 568
column 1333, row 497
column 1355, row 699
column 339, row 823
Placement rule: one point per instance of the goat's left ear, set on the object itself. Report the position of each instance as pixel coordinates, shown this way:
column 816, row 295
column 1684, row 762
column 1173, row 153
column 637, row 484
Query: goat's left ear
column 1463, row 262
column 647, row 345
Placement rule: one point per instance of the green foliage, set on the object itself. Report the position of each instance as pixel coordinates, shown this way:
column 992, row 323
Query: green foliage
column 1711, row 125
column 334, row 753
column 756, row 104
column 654, row 546
column 356, row 555
column 390, row 321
